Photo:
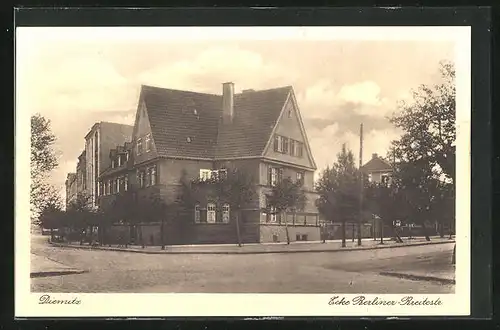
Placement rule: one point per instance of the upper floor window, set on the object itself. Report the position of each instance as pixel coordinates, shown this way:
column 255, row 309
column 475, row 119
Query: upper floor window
column 140, row 177
column 119, row 160
column 139, row 146
column 273, row 215
column 225, row 213
column 197, row 218
column 298, row 149
column 148, row 142
column 126, row 156
column 153, row 175
column 300, row 177
column 211, row 213
column 113, row 163
column 125, row 183
column 292, row 147
column 222, row 174
column 205, row 174
column 275, row 175
column 281, row 144
column 118, row 183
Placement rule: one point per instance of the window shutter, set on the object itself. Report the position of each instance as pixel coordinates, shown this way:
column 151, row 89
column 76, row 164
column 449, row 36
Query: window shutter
column 280, row 174
column 269, row 175
column 285, row 145
column 276, row 142
column 292, row 147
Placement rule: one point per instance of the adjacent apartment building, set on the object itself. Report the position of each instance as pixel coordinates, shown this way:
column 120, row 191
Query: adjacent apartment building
column 101, row 138
column 179, row 134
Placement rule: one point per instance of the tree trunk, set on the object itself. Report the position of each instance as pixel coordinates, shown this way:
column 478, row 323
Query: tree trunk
column 52, row 235
column 374, row 229
column 343, row 233
column 162, row 229
column 237, row 220
column 453, row 257
column 441, row 230
column 396, row 235
column 426, row 232
column 286, row 229
column 381, row 231
column 451, row 230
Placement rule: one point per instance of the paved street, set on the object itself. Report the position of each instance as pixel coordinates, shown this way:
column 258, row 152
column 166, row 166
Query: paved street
column 315, row 272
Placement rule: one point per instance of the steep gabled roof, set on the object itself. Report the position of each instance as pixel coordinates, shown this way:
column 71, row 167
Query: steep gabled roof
column 189, row 124
column 377, row 164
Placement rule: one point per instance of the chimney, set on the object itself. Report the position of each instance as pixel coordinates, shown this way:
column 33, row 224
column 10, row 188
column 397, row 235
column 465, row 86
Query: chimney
column 227, row 102
column 374, row 156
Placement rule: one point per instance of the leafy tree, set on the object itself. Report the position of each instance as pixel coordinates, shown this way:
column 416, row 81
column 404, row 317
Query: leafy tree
column 81, row 217
column 52, row 216
column 236, row 188
column 286, row 196
column 338, row 188
column 42, row 160
column 428, row 125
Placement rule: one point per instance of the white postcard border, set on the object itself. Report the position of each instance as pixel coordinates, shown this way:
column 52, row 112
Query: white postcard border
column 136, row 305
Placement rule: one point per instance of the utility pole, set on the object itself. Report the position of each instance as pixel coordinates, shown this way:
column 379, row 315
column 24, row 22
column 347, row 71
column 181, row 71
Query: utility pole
column 360, row 219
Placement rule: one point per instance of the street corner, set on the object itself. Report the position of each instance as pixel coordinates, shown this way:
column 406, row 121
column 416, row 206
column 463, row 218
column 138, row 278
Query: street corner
column 42, row 266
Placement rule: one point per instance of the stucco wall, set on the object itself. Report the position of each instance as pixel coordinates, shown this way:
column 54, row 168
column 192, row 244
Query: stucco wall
column 268, row 231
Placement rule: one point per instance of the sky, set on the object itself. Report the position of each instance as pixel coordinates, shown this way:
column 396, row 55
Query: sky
column 75, row 79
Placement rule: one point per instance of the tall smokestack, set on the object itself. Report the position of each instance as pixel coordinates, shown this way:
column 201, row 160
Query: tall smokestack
column 227, row 102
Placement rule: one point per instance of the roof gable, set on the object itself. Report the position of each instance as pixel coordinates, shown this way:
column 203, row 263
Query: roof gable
column 377, row 164
column 290, row 125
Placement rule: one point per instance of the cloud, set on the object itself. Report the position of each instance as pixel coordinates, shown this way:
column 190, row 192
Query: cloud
column 213, row 66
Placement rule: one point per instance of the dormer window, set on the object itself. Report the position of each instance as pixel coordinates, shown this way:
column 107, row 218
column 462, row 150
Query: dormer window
column 113, row 163
column 188, row 139
column 119, row 161
column 195, row 112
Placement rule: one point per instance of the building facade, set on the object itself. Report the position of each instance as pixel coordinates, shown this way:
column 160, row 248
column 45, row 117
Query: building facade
column 181, row 135
column 71, row 188
column 101, row 138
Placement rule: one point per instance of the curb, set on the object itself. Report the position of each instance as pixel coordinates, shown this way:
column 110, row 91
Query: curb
column 167, row 252
column 56, row 273
column 419, row 277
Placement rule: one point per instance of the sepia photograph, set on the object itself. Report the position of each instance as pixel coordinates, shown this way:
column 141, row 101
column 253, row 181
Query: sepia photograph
column 258, row 161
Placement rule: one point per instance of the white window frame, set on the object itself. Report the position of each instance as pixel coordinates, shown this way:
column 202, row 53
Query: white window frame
column 112, row 163
column 147, row 140
column 197, row 214
column 153, row 175
column 272, row 214
column 274, row 176
column 291, row 147
column 139, row 146
column 125, row 183
column 117, row 185
column 211, row 213
column 205, row 174
column 226, row 209
column 280, row 143
column 301, row 175
column 119, row 160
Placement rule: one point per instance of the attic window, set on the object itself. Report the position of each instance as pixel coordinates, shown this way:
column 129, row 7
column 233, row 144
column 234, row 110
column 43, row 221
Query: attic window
column 289, row 113
column 188, row 139
column 195, row 112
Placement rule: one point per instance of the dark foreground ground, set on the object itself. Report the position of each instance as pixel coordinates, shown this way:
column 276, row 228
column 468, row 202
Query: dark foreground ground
column 314, row 272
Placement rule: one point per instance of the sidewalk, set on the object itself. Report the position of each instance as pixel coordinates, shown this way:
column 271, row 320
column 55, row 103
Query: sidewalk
column 43, row 266
column 256, row 248
column 444, row 276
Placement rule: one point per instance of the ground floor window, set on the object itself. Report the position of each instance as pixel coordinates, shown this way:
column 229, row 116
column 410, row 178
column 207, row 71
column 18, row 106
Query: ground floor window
column 197, row 213
column 225, row 213
column 211, row 213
